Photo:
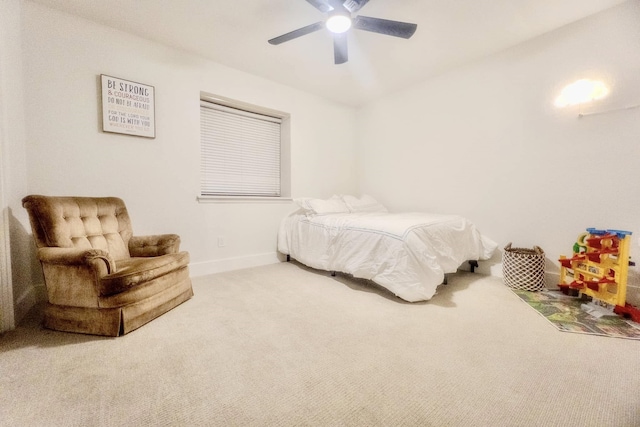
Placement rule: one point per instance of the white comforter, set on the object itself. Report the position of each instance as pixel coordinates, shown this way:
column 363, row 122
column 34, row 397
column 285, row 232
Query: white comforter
column 407, row 253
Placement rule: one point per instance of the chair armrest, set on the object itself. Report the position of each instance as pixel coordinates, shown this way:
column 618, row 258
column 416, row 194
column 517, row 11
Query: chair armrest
column 149, row 246
column 74, row 256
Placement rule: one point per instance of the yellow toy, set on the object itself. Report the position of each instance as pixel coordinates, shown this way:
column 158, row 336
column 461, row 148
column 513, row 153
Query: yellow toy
column 599, row 268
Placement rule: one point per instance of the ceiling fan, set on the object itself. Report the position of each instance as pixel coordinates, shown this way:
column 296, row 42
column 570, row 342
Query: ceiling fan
column 340, row 20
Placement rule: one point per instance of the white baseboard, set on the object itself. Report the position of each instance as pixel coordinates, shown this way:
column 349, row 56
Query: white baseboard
column 485, row 267
column 552, row 280
column 495, row 269
column 227, row 264
column 37, row 292
column 29, row 298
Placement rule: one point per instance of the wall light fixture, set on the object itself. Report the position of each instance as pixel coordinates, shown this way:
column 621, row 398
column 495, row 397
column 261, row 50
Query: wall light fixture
column 580, row 92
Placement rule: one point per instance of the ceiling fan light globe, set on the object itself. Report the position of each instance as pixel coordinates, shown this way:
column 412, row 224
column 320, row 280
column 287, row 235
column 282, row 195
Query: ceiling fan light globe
column 338, row 24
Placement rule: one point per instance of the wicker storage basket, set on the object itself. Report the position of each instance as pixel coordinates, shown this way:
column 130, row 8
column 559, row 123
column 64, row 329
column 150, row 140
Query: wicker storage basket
column 523, row 268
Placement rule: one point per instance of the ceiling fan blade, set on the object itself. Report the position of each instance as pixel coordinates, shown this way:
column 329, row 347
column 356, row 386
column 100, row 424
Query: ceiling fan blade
column 322, row 5
column 385, row 26
column 340, row 48
column 297, row 33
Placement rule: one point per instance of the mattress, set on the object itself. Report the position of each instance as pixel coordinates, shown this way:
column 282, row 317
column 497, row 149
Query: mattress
column 407, row 253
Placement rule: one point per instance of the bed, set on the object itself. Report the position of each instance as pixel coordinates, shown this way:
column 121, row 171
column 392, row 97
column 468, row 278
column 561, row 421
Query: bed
column 407, row 253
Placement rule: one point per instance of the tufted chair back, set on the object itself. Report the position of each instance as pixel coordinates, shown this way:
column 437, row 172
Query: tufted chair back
column 81, row 222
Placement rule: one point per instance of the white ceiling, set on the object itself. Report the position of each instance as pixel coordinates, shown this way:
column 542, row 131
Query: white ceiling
column 235, row 33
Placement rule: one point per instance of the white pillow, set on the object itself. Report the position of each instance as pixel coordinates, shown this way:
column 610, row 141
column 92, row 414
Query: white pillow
column 363, row 204
column 322, row 207
column 303, row 202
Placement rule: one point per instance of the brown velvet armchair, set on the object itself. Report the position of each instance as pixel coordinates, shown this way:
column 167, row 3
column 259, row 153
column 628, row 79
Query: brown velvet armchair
column 101, row 279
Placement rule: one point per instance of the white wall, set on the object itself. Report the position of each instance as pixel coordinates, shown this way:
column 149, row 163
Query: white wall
column 483, row 140
column 16, row 259
column 486, row 141
column 67, row 154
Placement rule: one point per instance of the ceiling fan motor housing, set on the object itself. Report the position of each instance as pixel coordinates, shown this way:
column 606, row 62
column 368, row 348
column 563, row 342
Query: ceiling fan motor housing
column 352, row 5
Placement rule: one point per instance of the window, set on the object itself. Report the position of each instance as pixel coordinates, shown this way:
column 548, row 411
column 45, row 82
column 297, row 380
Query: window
column 244, row 150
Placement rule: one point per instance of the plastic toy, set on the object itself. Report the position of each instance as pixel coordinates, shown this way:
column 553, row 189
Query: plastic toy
column 599, row 268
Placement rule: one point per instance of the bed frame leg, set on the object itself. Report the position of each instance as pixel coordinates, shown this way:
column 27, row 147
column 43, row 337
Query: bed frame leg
column 445, row 281
column 333, row 274
column 288, row 258
column 473, row 264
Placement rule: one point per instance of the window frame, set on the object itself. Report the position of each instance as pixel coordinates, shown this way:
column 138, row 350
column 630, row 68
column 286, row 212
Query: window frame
column 285, row 151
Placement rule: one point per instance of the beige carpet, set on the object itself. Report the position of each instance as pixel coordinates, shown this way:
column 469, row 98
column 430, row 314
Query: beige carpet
column 283, row 345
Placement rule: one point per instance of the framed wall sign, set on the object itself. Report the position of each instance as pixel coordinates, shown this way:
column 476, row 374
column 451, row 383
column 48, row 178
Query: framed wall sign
column 128, row 107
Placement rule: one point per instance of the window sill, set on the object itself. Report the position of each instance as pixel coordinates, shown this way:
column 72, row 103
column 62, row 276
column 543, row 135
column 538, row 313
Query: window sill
column 243, row 199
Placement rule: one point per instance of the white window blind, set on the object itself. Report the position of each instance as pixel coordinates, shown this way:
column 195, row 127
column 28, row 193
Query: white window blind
column 240, row 152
